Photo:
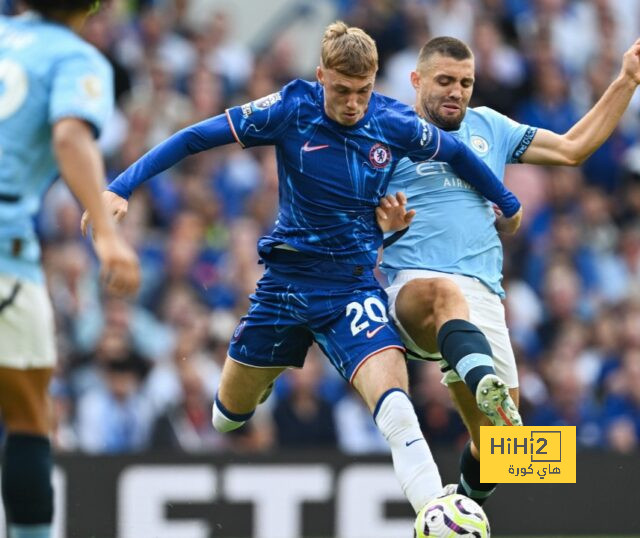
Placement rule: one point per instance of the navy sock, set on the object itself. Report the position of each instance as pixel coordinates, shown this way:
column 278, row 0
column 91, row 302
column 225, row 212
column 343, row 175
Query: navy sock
column 26, row 480
column 470, row 484
column 466, row 350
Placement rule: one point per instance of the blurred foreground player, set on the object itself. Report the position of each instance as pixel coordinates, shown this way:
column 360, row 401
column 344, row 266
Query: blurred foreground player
column 337, row 143
column 56, row 94
column 446, row 270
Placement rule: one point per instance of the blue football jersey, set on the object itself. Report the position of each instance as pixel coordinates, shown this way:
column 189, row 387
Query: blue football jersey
column 46, row 73
column 453, row 230
column 331, row 176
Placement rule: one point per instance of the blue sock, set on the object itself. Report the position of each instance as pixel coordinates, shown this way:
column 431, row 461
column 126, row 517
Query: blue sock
column 466, row 350
column 26, row 486
column 470, row 484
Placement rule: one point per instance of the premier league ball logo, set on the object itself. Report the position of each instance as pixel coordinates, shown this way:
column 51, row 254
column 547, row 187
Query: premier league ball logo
column 379, row 155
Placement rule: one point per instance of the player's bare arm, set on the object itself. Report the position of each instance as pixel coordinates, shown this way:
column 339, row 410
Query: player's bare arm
column 81, row 167
column 392, row 214
column 588, row 134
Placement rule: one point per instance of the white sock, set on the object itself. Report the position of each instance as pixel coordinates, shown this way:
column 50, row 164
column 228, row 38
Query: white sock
column 224, row 420
column 412, row 459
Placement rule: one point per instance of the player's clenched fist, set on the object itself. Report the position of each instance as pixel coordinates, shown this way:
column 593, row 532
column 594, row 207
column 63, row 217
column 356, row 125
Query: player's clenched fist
column 631, row 62
column 120, row 270
column 509, row 225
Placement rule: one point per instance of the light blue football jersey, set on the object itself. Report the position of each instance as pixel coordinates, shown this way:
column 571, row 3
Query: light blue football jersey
column 46, row 73
column 453, row 230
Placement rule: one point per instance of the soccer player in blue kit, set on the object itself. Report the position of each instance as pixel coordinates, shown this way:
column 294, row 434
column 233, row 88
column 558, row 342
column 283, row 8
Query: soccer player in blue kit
column 55, row 95
column 445, row 271
column 337, row 143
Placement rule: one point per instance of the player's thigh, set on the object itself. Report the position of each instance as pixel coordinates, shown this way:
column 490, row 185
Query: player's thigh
column 356, row 334
column 26, row 325
column 423, row 304
column 27, row 355
column 468, row 409
column 24, row 400
column 269, row 339
column 242, row 385
column 381, row 372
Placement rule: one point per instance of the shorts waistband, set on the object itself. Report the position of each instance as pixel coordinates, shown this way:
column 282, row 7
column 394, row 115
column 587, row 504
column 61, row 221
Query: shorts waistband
column 467, row 283
column 294, row 266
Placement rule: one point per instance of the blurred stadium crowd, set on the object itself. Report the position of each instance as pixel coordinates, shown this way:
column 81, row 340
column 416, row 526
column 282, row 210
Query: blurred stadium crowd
column 141, row 375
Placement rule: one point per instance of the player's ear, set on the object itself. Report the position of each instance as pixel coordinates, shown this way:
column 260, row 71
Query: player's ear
column 415, row 79
column 320, row 75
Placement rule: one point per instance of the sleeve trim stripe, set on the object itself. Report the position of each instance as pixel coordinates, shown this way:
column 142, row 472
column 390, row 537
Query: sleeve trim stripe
column 525, row 142
column 437, row 145
column 94, row 123
column 233, row 129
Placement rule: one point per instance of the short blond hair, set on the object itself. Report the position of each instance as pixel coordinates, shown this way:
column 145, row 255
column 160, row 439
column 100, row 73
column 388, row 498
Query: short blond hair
column 349, row 50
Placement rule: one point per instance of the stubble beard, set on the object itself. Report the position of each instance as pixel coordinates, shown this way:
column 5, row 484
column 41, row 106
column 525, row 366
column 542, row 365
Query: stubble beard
column 444, row 123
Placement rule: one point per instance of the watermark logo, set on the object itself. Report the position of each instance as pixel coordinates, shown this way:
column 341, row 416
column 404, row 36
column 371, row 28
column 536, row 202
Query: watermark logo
column 528, row 454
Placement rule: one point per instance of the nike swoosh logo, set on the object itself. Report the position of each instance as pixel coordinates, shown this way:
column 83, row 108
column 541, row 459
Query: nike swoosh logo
column 371, row 334
column 307, row 147
column 409, row 443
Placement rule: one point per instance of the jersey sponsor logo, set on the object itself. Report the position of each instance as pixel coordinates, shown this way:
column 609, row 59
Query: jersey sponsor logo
column 379, row 155
column 479, row 144
column 307, row 147
column 268, row 101
column 454, row 181
column 429, row 168
column 373, row 332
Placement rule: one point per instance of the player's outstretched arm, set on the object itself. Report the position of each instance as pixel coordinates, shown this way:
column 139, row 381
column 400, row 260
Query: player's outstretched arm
column 588, row 134
column 475, row 172
column 81, row 167
column 207, row 134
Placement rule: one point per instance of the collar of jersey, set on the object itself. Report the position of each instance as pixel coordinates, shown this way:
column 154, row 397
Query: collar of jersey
column 360, row 123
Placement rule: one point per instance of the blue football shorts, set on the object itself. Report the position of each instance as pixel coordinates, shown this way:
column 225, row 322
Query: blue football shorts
column 349, row 323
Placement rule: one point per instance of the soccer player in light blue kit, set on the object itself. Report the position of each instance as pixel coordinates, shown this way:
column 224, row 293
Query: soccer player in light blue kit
column 55, row 94
column 446, row 270
column 337, row 143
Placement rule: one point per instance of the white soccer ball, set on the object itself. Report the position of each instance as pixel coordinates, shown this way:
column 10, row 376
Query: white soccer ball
column 452, row 516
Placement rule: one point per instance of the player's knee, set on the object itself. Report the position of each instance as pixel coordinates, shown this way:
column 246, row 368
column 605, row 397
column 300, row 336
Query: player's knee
column 224, row 420
column 26, row 480
column 416, row 300
column 446, row 293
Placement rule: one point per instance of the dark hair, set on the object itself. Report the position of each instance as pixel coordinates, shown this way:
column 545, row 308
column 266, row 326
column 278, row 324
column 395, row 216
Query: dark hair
column 446, row 46
column 47, row 7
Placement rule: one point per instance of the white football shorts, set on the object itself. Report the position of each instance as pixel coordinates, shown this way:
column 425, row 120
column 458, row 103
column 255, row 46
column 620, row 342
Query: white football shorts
column 486, row 312
column 27, row 338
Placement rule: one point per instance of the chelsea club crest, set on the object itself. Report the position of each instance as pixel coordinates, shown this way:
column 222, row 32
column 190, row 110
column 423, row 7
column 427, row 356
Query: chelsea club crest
column 379, row 155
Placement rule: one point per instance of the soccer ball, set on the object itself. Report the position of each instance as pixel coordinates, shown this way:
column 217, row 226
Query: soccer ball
column 451, row 516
